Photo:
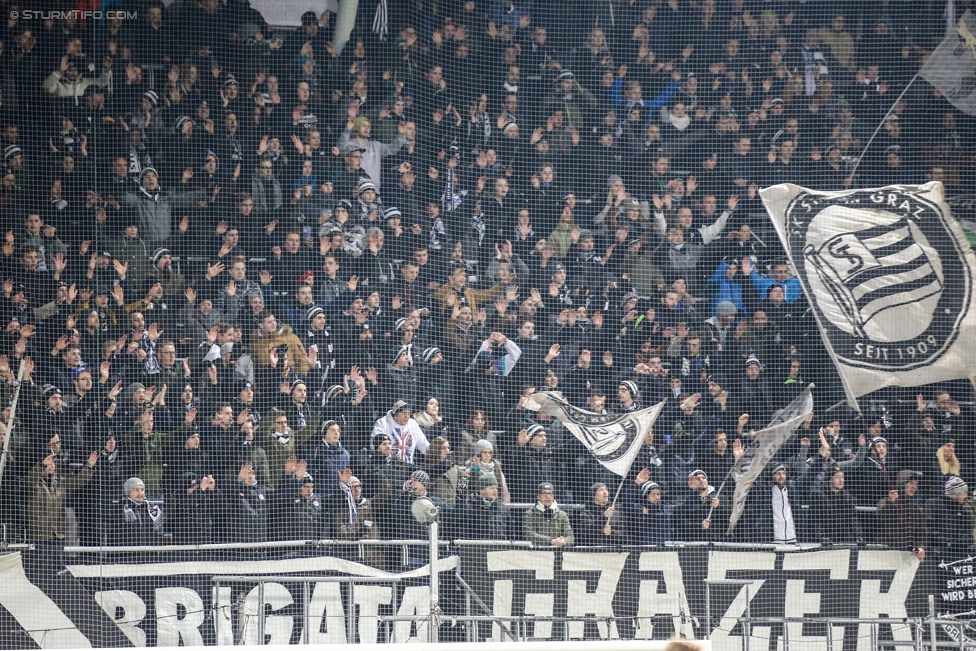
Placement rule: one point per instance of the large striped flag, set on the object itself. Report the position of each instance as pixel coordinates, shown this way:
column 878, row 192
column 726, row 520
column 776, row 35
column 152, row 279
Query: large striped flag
column 889, row 274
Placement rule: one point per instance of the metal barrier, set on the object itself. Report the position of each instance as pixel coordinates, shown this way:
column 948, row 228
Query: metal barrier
column 914, row 623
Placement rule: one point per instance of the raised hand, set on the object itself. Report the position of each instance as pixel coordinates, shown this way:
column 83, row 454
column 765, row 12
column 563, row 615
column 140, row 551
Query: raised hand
column 154, row 332
column 746, row 265
column 737, row 449
column 61, row 343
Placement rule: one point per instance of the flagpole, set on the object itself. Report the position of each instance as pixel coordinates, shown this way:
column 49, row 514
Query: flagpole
column 619, row 488
column 881, row 124
column 623, row 480
column 718, row 493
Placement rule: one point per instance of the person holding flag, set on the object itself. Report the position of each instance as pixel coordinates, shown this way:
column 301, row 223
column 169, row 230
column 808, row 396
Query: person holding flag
column 703, row 515
column 614, row 440
column 772, row 501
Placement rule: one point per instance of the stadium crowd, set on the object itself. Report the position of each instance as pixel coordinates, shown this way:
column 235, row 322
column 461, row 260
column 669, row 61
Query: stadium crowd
column 264, row 290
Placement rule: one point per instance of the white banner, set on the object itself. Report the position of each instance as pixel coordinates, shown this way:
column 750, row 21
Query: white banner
column 767, row 443
column 613, row 439
column 889, row 275
column 951, row 68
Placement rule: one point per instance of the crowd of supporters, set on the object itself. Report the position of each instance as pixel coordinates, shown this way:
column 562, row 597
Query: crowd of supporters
column 260, row 289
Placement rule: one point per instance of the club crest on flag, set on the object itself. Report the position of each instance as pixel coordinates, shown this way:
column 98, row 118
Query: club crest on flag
column 613, row 439
column 889, row 282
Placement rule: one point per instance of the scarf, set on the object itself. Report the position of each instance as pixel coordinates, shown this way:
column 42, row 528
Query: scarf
column 478, row 226
column 282, row 438
column 485, row 121
column 548, row 512
column 352, row 507
column 380, row 21
column 811, row 62
column 152, row 510
column 137, row 158
column 449, row 199
column 679, row 123
column 236, row 153
column 301, row 419
column 152, row 195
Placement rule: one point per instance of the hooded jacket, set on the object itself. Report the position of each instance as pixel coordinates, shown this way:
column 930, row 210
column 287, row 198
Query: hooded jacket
column 407, row 439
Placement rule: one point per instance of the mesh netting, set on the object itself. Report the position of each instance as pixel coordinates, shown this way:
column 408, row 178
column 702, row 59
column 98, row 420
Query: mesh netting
column 275, row 296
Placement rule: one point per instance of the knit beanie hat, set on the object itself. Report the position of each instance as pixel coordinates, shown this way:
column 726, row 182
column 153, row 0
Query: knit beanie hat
column 131, row 483
column 955, row 485
column 648, row 487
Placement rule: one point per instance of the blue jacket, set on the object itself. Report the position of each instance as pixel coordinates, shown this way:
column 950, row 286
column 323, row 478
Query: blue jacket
column 763, row 283
column 726, row 290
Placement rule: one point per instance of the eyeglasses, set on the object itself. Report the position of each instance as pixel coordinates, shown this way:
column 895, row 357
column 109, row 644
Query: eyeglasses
column 357, row 156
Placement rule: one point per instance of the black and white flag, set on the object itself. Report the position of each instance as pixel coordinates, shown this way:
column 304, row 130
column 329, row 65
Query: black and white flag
column 951, row 68
column 613, row 439
column 765, row 445
column 889, row 275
